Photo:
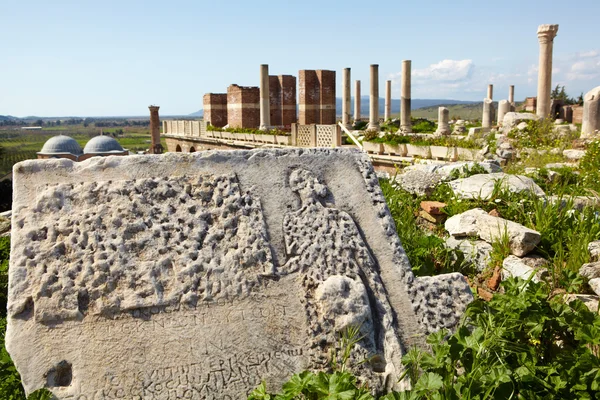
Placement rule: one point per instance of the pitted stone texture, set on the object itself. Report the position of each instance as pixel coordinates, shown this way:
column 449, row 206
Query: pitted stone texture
column 419, row 182
column 202, row 274
column 481, row 186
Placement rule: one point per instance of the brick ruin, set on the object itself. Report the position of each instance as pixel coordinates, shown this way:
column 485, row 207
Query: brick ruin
column 215, row 109
column 240, row 106
column 317, row 97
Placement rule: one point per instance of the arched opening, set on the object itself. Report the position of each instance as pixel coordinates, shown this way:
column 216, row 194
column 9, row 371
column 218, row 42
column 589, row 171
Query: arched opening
column 192, row 149
column 178, row 149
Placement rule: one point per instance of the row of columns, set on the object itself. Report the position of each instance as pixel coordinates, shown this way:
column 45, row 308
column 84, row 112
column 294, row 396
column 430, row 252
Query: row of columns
column 405, row 123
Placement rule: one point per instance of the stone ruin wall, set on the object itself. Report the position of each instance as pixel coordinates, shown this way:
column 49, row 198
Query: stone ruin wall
column 243, row 109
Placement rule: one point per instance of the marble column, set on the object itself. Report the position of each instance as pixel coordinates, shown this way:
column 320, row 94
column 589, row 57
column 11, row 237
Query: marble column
column 374, row 99
column 443, row 118
column 388, row 100
column 546, row 35
column 511, row 97
column 346, row 98
column 490, row 92
column 357, row 100
column 265, row 112
column 503, row 108
column 155, row 147
column 405, row 122
column 488, row 112
column 591, row 113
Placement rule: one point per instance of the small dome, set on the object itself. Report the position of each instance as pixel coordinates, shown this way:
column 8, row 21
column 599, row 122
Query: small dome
column 102, row 144
column 61, row 144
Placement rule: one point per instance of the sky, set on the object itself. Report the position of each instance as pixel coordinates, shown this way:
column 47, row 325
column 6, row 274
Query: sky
column 114, row 58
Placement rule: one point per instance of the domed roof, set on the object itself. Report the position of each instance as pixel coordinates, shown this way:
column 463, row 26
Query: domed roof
column 61, row 144
column 102, row 144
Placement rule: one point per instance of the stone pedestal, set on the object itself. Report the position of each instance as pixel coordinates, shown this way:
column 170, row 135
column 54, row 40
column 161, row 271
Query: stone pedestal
column 357, row 100
column 490, row 92
column 443, row 118
column 591, row 112
column 488, row 112
column 405, row 122
column 156, row 147
column 265, row 113
column 346, row 97
column 546, row 35
column 374, row 99
column 503, row 108
column 388, row 100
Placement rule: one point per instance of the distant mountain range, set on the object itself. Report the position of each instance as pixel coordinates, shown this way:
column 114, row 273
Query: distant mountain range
column 364, row 105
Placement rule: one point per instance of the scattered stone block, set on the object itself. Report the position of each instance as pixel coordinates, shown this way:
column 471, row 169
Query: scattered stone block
column 573, row 154
column 590, row 301
column 200, row 275
column 590, row 270
column 515, row 267
column 418, row 182
column 594, row 250
column 595, row 285
column 477, row 252
column 478, row 223
column 481, row 186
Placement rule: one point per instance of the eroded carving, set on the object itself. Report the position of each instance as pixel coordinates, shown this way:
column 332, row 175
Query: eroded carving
column 108, row 247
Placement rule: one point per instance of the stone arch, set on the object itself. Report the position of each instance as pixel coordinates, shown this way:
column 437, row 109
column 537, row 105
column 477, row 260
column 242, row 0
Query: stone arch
column 192, row 149
column 178, row 149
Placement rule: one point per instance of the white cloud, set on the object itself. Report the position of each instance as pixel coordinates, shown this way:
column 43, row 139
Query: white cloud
column 446, row 71
column 586, row 69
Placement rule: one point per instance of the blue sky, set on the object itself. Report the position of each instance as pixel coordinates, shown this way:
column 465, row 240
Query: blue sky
column 95, row 58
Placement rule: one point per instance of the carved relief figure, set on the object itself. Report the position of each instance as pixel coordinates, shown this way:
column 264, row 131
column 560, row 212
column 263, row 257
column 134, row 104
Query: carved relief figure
column 339, row 277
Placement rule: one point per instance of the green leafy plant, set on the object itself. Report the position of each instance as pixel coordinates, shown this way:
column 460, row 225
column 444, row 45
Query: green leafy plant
column 521, row 344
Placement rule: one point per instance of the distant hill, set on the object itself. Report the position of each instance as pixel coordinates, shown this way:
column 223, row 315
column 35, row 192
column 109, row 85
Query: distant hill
column 364, row 105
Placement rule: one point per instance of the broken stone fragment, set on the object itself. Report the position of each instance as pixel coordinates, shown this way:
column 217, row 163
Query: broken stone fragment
column 478, row 223
column 481, row 186
column 594, row 249
column 433, row 207
column 515, row 267
column 590, row 270
column 595, row 285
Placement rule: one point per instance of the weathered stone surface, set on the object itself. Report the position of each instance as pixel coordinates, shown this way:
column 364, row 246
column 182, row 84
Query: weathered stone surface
column 446, row 170
column 478, row 223
column 198, row 275
column 590, row 301
column 482, row 185
column 515, row 267
column 4, row 225
column 591, row 113
column 418, row 182
column 594, row 250
column 590, row 270
column 573, row 154
column 477, row 252
column 575, row 202
column 595, row 285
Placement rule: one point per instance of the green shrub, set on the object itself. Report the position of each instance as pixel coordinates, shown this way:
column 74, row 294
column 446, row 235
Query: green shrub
column 422, row 125
column 590, row 166
column 521, row 344
column 540, row 134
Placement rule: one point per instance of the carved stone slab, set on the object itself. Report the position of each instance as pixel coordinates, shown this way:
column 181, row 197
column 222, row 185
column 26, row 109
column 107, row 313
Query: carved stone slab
column 197, row 276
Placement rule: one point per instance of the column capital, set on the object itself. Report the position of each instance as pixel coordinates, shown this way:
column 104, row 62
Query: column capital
column 546, row 33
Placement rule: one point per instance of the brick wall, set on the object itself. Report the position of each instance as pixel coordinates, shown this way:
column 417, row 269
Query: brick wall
column 215, row 109
column 243, row 110
column 275, row 100
column 288, row 100
column 530, row 104
column 317, row 97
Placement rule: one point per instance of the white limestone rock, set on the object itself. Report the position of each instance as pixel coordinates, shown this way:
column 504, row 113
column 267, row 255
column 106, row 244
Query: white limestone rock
column 481, row 186
column 594, row 250
column 590, row 270
column 515, row 267
column 478, row 223
column 595, row 285
column 176, row 271
column 513, row 119
column 590, row 301
column 477, row 252
column 573, row 154
column 418, row 182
